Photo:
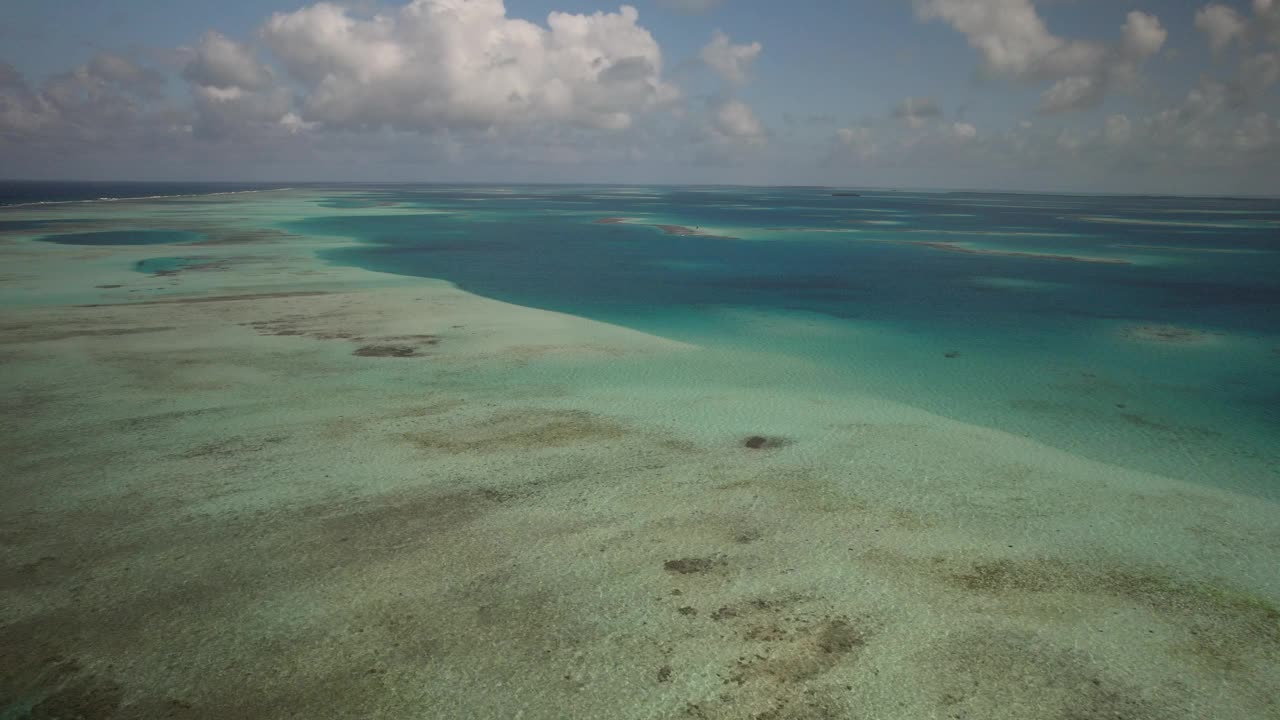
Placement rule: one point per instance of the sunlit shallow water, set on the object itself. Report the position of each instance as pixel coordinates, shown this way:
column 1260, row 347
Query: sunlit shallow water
column 1122, row 340
column 238, row 454
column 123, row 237
column 1143, row 332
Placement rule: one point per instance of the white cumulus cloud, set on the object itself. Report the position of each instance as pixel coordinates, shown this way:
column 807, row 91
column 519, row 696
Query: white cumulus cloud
column 735, row 120
column 729, row 60
column 234, row 94
column 1143, row 36
column 1224, row 26
column 1221, row 23
column 1012, row 37
column 220, row 62
column 1260, row 72
column 1267, row 15
column 917, row 112
column 106, row 100
column 1015, row 42
column 463, row 63
column 126, row 75
column 963, row 132
column 858, row 142
column 1071, row 92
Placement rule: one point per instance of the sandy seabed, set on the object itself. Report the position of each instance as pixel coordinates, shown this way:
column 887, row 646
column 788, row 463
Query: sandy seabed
column 265, row 487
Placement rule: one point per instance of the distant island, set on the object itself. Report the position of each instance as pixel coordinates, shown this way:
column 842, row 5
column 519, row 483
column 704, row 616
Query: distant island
column 846, row 194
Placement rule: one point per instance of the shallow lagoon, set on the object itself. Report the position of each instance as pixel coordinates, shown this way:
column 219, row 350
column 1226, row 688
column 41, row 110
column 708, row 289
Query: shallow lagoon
column 251, row 478
column 1029, row 334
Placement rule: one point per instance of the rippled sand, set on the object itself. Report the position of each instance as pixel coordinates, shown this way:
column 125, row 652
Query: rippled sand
column 285, row 489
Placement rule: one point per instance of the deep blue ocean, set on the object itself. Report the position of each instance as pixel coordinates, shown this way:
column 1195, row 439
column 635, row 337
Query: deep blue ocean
column 1014, row 311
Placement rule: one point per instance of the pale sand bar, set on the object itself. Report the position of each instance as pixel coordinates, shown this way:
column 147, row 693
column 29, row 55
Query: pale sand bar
column 216, row 507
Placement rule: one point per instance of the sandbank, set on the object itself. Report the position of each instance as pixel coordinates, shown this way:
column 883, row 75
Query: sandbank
column 218, row 506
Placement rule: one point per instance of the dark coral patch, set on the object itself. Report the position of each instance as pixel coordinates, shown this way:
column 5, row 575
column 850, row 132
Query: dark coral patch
column 422, row 339
column 789, row 657
column 1225, row 626
column 218, row 236
column 386, row 351
column 524, row 430
column 693, row 566
column 212, row 299
column 56, row 688
column 87, row 700
column 1053, row 682
column 839, row 637
column 762, row 442
column 124, row 237
column 724, row 613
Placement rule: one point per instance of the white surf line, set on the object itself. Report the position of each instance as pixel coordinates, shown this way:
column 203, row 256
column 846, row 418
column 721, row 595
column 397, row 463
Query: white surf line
column 141, row 197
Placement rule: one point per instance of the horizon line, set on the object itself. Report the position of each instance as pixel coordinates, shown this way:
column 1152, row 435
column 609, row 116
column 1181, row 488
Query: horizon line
column 870, row 188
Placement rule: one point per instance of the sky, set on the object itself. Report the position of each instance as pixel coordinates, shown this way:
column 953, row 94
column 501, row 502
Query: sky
column 1143, row 96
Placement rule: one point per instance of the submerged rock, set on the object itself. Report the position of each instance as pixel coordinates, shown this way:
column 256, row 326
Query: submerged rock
column 386, row 351
column 761, row 442
column 693, row 565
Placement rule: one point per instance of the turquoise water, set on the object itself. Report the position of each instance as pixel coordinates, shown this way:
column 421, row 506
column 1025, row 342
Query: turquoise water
column 124, row 237
column 1016, row 312
column 24, row 225
column 1012, row 311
